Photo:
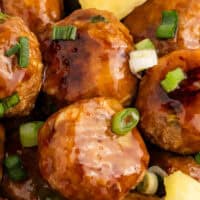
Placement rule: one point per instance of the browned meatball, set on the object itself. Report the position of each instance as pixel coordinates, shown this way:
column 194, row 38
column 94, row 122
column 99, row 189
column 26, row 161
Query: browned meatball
column 172, row 162
column 95, row 64
column 83, row 159
column 35, row 13
column 172, row 120
column 144, row 20
column 13, row 78
column 2, row 140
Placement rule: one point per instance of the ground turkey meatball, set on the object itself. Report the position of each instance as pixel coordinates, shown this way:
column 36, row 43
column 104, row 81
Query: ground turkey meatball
column 35, row 13
column 83, row 159
column 13, row 78
column 144, row 20
column 172, row 120
column 94, row 64
column 173, row 162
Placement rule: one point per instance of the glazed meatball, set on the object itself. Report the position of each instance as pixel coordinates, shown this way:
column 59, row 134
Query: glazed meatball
column 94, row 64
column 172, row 120
column 144, row 20
column 83, row 159
column 36, row 13
column 172, row 162
column 26, row 82
column 2, row 140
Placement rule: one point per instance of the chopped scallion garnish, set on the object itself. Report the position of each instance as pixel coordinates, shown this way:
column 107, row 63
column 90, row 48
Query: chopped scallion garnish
column 11, row 101
column 64, row 32
column 2, row 110
column 12, row 161
column 98, row 18
column 29, row 133
column 125, row 121
column 149, row 185
column 172, row 80
column 142, row 59
column 14, row 168
column 158, row 171
column 8, row 103
column 197, row 158
column 24, row 52
column 17, row 174
column 3, row 17
column 145, row 44
column 168, row 27
column 13, row 50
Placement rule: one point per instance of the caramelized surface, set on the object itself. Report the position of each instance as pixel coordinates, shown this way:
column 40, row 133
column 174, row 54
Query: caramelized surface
column 78, row 150
column 95, row 64
column 36, row 13
column 144, row 20
column 13, row 78
column 172, row 162
column 172, row 120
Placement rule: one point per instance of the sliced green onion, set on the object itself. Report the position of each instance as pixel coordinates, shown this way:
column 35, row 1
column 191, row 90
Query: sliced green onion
column 11, row 101
column 3, row 16
column 17, row 174
column 145, row 44
column 14, row 168
column 149, row 185
column 98, row 18
column 197, row 158
column 125, row 121
column 24, row 52
column 29, row 133
column 161, row 174
column 172, row 80
column 2, row 110
column 13, row 50
column 158, row 171
column 13, row 161
column 168, row 27
column 8, row 103
column 64, row 32
column 142, row 59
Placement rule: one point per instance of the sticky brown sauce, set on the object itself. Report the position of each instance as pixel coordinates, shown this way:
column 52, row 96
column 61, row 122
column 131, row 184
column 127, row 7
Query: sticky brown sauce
column 189, row 88
column 34, row 187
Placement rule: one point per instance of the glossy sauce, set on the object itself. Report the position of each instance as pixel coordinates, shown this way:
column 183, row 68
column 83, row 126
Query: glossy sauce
column 172, row 120
column 145, row 19
column 34, row 188
column 189, row 88
column 10, row 74
column 172, row 162
column 77, row 149
column 36, row 13
column 95, row 64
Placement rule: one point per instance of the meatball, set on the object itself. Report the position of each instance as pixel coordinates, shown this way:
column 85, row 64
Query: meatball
column 13, row 78
column 172, row 120
column 83, row 159
column 144, row 20
column 172, row 162
column 36, row 14
column 2, row 140
column 93, row 65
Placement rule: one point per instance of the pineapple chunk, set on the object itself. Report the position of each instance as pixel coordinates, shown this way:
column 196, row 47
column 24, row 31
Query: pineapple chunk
column 180, row 186
column 120, row 8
